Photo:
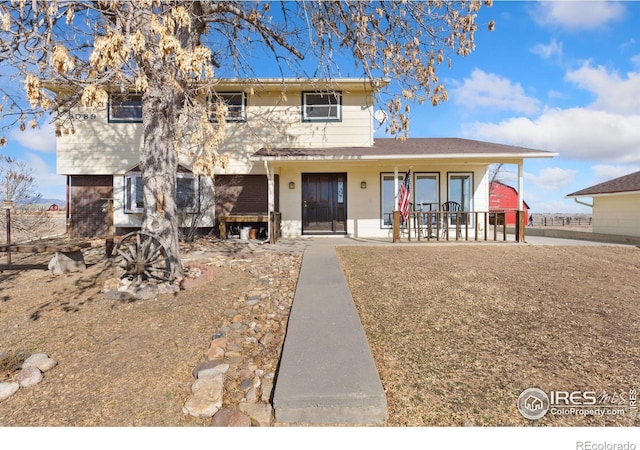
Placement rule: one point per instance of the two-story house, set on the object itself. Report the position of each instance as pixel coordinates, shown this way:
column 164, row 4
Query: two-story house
column 302, row 148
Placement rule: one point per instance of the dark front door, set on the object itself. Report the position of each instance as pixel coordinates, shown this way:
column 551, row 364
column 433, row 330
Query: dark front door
column 324, row 203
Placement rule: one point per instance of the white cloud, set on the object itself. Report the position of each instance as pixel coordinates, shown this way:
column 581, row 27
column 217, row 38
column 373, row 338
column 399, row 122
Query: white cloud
column 574, row 133
column 582, row 15
column 47, row 182
column 41, row 139
column 552, row 178
column 489, row 90
column 551, row 51
column 607, row 129
column 605, row 172
column 613, row 93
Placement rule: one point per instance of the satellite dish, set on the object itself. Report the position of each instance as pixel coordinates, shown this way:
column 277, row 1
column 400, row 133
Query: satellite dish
column 380, row 116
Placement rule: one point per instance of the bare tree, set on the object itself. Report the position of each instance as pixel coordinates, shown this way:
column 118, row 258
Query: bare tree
column 172, row 51
column 18, row 185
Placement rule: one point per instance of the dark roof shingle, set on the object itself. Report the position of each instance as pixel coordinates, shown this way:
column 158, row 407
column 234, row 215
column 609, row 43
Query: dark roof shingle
column 626, row 183
column 420, row 147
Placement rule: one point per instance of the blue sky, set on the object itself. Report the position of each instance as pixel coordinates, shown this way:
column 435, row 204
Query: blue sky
column 562, row 76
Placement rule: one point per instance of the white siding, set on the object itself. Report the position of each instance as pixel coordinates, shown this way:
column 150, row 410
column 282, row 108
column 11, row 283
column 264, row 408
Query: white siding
column 617, row 214
column 97, row 147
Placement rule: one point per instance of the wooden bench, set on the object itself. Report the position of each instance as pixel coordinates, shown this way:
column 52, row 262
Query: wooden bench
column 240, row 218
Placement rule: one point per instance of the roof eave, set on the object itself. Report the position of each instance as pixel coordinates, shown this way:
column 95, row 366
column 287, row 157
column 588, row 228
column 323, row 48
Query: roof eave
column 601, row 194
column 439, row 156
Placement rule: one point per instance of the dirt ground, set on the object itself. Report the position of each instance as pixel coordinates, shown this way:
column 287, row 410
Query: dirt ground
column 119, row 363
column 458, row 332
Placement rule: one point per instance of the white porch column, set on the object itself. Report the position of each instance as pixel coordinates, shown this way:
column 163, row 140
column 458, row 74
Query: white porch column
column 520, row 187
column 396, row 186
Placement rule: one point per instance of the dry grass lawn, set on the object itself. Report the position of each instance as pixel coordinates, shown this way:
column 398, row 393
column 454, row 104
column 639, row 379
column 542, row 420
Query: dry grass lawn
column 459, row 331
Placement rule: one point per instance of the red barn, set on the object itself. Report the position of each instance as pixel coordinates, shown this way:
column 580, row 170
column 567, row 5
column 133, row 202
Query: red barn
column 505, row 198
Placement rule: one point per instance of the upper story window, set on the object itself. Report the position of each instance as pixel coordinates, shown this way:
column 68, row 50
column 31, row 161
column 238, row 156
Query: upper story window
column 125, row 108
column 321, row 106
column 236, row 102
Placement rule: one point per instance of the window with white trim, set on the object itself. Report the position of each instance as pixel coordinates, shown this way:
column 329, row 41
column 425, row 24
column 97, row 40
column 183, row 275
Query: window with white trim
column 321, row 106
column 460, row 189
column 236, row 104
column 426, row 191
column 388, row 197
column 187, row 193
column 125, row 108
column 133, row 197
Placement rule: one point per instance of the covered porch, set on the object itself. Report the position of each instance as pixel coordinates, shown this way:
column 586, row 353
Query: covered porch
column 355, row 191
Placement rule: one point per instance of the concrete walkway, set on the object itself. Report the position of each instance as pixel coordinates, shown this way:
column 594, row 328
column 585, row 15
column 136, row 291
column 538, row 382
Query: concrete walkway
column 327, row 374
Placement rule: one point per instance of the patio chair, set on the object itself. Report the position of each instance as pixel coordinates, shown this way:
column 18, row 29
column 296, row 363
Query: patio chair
column 451, row 209
column 428, row 218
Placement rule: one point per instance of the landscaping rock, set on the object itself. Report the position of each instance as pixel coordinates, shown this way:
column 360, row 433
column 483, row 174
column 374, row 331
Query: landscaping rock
column 29, row 377
column 8, row 389
column 210, row 369
column 207, row 396
column 230, row 418
column 67, row 262
column 147, row 291
column 261, row 414
column 41, row 361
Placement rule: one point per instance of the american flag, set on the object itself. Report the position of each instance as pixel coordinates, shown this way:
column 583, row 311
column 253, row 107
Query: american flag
column 403, row 205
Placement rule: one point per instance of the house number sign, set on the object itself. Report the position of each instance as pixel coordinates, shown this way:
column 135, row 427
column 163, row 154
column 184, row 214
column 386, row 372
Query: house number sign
column 85, row 116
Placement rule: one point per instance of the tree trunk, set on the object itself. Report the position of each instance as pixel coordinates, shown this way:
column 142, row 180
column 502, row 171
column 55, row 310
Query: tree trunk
column 159, row 164
column 162, row 108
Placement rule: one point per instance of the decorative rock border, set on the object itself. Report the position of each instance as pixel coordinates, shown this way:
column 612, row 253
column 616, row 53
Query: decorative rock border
column 30, row 374
column 234, row 383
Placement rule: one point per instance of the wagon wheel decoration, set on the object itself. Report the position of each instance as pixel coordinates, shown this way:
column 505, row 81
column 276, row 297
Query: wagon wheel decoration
column 141, row 255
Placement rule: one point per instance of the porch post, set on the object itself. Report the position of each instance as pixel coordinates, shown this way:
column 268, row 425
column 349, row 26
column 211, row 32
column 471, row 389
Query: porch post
column 396, row 226
column 520, row 212
column 396, row 186
column 270, row 202
column 396, row 207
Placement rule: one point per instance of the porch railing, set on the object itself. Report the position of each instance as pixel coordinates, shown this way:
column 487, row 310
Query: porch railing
column 458, row 225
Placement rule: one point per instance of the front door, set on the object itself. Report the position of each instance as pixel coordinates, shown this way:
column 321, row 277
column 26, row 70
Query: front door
column 324, row 203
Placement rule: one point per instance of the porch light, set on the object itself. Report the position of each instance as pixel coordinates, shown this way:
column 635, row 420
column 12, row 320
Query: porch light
column 292, row 185
column 363, row 185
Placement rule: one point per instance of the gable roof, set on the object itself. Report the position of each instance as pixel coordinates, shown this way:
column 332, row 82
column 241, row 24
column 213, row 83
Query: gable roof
column 626, row 183
column 413, row 148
